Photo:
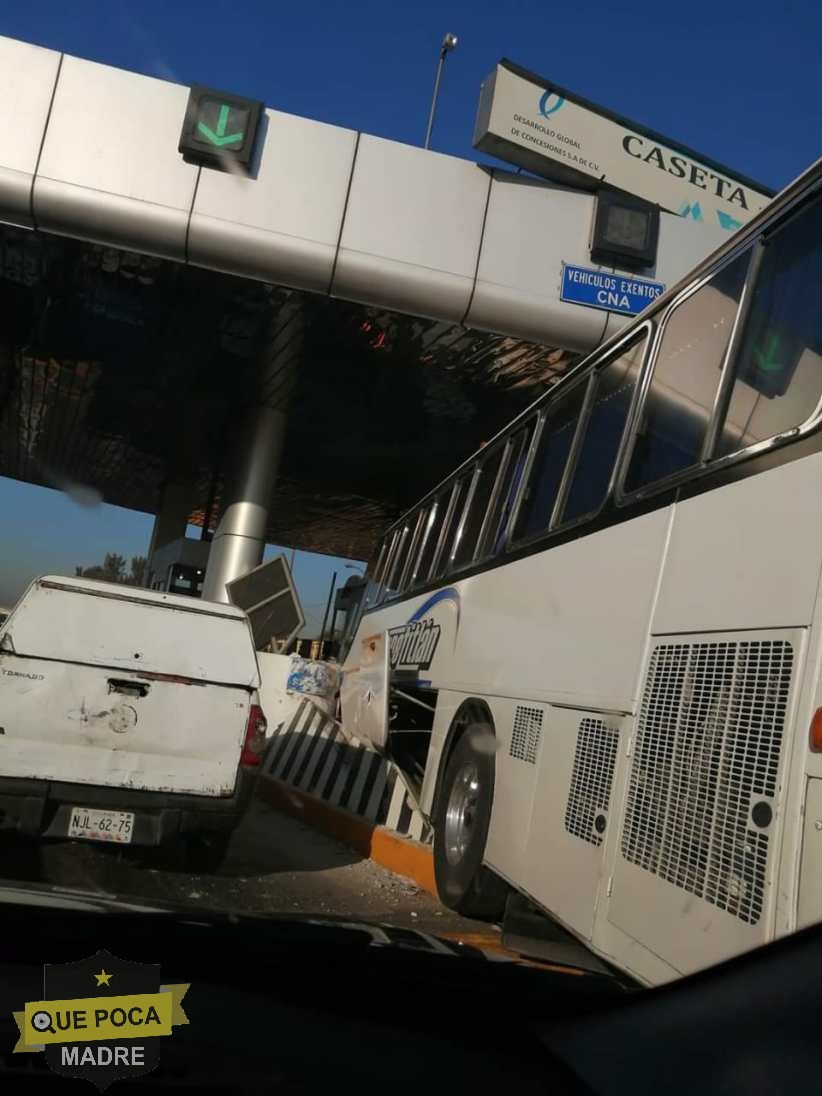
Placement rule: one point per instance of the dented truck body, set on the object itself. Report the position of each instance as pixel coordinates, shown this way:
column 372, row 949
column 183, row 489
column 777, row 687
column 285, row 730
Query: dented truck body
column 118, row 699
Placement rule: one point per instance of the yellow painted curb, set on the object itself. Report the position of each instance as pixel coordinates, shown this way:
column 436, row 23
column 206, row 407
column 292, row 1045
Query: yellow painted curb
column 401, row 855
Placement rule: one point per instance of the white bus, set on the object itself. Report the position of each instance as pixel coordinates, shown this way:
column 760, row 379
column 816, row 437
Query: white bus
column 594, row 650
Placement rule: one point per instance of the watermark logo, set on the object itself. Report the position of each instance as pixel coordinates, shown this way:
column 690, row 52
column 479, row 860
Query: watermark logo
column 100, row 1019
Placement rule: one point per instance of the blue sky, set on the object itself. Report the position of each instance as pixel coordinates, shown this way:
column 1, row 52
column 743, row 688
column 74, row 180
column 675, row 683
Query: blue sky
column 739, row 82
column 45, row 531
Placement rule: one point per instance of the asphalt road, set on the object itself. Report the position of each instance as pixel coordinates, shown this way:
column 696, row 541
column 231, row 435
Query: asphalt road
column 275, row 864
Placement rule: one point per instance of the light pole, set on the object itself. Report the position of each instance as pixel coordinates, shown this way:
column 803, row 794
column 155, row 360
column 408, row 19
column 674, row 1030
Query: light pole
column 327, row 611
column 449, row 42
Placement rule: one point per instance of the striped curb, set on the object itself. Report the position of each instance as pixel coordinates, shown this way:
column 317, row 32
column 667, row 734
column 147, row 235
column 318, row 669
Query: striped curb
column 398, row 854
column 311, row 754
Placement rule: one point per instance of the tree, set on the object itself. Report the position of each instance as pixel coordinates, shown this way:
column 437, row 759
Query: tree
column 113, row 569
column 138, row 571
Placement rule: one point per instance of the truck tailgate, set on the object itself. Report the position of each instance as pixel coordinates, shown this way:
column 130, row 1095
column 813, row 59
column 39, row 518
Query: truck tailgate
column 95, row 725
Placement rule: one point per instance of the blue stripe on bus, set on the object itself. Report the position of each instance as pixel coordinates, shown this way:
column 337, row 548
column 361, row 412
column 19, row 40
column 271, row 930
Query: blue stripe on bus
column 448, row 594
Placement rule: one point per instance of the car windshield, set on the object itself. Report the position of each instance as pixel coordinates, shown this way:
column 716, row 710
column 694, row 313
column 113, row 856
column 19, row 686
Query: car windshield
column 409, row 471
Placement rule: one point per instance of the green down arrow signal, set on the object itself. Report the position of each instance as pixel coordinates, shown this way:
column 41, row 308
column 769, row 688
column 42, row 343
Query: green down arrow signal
column 766, row 359
column 220, row 138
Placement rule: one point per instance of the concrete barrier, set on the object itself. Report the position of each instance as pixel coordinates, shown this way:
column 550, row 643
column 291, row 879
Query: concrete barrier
column 311, row 754
column 313, row 771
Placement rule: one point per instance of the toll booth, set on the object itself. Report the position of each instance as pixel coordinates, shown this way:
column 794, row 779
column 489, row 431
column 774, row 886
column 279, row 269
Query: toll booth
column 199, row 304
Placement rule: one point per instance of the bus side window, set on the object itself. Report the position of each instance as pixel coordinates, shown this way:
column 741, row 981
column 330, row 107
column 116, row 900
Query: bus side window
column 391, row 541
column 486, row 478
column 451, row 522
column 686, row 373
column 506, row 491
column 418, row 525
column 554, row 446
column 430, row 538
column 778, row 370
column 615, row 385
column 374, row 572
column 399, row 551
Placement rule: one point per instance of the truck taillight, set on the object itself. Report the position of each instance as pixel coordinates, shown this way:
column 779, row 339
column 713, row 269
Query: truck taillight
column 254, row 745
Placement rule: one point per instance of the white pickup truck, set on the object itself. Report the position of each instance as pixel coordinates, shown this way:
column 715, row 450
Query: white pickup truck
column 127, row 716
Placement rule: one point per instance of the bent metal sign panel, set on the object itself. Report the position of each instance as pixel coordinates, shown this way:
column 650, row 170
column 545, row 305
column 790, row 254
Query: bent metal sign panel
column 101, row 1019
column 528, row 123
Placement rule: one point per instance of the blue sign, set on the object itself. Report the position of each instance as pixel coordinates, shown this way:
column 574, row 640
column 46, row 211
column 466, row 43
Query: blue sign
column 611, row 292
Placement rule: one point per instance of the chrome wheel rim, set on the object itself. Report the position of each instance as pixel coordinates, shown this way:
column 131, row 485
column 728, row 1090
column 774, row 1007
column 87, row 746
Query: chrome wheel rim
column 461, row 812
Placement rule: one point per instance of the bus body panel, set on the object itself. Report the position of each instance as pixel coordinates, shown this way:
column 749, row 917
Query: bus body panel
column 575, row 619
column 809, row 905
column 727, row 573
column 515, row 781
column 694, row 877
column 799, row 897
column 565, row 864
column 572, row 621
column 727, row 565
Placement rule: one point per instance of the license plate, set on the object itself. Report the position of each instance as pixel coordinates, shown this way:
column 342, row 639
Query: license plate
column 101, row 825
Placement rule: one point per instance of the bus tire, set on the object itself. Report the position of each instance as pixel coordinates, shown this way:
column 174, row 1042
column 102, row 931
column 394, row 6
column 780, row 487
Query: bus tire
column 461, row 820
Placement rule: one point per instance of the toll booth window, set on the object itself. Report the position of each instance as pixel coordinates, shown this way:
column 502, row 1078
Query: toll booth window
column 483, row 487
column 688, row 366
column 507, row 489
column 551, row 457
column 615, row 386
column 184, row 579
column 778, row 370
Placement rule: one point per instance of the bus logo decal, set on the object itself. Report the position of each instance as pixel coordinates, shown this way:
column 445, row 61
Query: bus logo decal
column 412, row 646
column 450, row 593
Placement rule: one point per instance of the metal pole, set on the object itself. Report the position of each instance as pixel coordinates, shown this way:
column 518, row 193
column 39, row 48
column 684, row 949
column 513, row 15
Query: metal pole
column 239, row 539
column 434, row 98
column 327, row 610
column 449, row 42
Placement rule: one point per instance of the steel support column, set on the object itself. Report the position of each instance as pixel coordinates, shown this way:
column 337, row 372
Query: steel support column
column 239, row 540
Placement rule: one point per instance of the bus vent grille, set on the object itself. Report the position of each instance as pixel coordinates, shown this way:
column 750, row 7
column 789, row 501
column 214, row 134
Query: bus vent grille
column 589, row 797
column 526, row 734
column 706, row 762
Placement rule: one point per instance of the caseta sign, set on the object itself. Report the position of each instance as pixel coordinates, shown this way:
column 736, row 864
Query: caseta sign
column 540, row 127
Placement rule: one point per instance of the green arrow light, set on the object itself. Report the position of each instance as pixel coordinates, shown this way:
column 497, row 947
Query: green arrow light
column 765, row 357
column 220, row 138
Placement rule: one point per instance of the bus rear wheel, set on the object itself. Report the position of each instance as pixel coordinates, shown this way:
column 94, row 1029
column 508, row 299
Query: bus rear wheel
column 461, row 822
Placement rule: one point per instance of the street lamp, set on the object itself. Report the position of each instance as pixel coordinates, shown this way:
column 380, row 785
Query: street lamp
column 449, row 42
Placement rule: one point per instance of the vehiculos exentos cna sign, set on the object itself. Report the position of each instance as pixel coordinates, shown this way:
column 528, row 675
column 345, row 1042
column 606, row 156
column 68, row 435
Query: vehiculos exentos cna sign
column 610, row 292
column 527, row 121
